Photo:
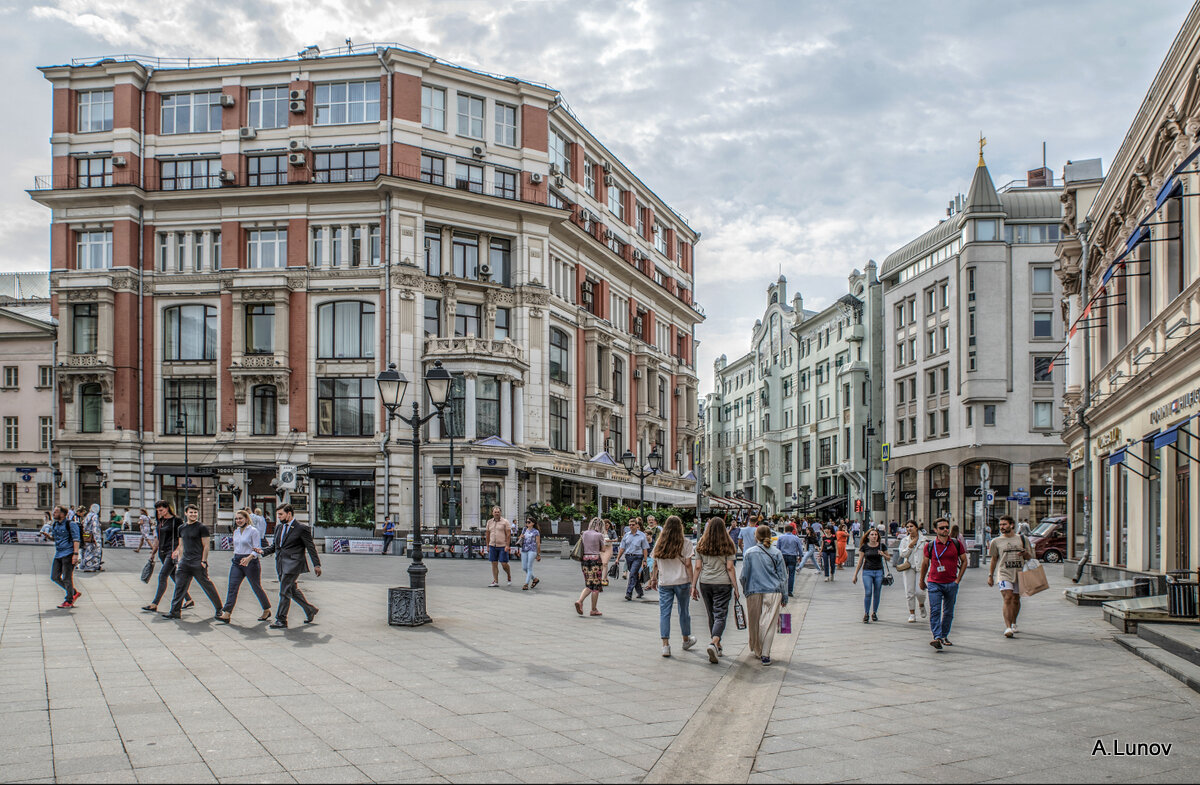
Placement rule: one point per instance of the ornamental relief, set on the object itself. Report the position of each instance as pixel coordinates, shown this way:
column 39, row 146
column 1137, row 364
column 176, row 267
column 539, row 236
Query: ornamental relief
column 243, row 383
column 73, row 379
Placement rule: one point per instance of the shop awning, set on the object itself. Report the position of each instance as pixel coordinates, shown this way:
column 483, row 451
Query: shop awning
column 321, row 473
column 1117, row 457
column 1167, row 437
column 828, row 502
column 179, row 469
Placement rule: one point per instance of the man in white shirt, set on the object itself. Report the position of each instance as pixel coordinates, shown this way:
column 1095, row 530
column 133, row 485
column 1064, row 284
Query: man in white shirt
column 259, row 521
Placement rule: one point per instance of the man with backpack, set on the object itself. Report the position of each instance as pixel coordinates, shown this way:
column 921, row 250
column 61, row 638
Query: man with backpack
column 1008, row 553
column 941, row 572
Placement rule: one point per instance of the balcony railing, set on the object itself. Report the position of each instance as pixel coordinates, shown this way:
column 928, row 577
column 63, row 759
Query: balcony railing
column 471, row 345
column 517, row 191
column 58, row 182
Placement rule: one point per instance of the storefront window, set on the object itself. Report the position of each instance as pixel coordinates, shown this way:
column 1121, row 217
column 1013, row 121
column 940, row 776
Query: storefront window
column 489, row 496
column 1104, row 524
column 346, row 503
column 1122, row 509
column 1048, row 491
column 998, row 481
column 199, row 490
column 1154, row 509
column 939, row 492
column 907, row 480
column 1079, row 490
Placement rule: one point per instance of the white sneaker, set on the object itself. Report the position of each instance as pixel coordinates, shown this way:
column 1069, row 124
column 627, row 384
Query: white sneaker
column 713, row 655
column 667, row 650
column 912, row 618
column 922, row 611
column 493, row 585
column 1008, row 632
column 689, row 642
column 1014, row 627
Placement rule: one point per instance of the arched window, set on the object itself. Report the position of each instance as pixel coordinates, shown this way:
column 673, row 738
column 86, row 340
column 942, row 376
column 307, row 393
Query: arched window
column 190, row 332
column 90, row 408
column 263, row 411
column 559, row 355
column 346, row 329
column 939, row 491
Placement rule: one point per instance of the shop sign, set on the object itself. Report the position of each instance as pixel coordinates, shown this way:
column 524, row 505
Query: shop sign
column 1108, row 439
column 1076, row 455
column 1172, row 408
column 908, row 495
column 941, row 493
column 566, row 467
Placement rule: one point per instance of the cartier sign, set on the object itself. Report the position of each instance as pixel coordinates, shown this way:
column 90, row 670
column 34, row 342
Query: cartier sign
column 1171, row 408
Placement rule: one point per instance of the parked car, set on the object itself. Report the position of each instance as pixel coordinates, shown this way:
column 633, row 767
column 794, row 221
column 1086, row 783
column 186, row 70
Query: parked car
column 1050, row 538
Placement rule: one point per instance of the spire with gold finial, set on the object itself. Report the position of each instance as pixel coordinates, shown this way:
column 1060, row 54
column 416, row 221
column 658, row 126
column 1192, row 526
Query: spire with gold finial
column 982, row 142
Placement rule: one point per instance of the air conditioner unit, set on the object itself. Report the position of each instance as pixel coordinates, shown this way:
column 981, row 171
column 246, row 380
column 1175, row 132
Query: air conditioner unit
column 637, row 373
column 535, row 178
column 555, row 169
column 118, row 160
column 479, row 151
column 609, row 180
column 588, row 286
column 296, row 107
column 296, row 145
column 607, row 167
column 227, row 99
column 297, row 159
column 227, row 176
column 297, row 95
column 609, row 235
column 485, row 271
column 586, row 215
column 678, row 391
column 287, row 477
column 246, row 132
column 559, row 181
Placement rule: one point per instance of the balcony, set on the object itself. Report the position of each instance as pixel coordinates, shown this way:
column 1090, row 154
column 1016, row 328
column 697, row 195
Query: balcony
column 470, row 347
column 61, row 182
column 517, row 190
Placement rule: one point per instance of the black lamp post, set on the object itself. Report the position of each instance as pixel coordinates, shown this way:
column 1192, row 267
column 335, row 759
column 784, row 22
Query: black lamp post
column 406, row 607
column 630, row 461
column 181, row 424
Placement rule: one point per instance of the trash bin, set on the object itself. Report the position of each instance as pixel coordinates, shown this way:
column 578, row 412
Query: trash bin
column 973, row 557
column 1183, row 594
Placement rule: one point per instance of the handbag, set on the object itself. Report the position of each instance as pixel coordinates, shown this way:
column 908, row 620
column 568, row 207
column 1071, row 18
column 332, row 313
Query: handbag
column 148, row 570
column 577, row 551
column 901, row 562
column 644, row 574
column 1032, row 579
column 785, row 624
column 614, row 570
column 739, row 615
column 888, row 578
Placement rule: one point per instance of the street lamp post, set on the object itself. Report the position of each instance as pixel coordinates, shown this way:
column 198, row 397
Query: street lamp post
column 655, row 462
column 181, row 424
column 406, row 606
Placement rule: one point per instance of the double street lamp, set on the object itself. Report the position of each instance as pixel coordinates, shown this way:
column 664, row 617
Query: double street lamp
column 407, row 606
column 655, row 462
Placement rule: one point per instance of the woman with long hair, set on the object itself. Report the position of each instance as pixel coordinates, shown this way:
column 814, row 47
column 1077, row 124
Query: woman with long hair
column 872, row 552
column 167, row 526
column 843, row 537
column 912, row 551
column 764, row 582
column 672, row 576
column 715, row 581
column 247, row 547
column 93, row 546
column 592, row 565
column 530, row 540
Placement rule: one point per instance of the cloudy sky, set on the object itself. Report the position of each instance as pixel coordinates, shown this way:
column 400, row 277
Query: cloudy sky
column 806, row 137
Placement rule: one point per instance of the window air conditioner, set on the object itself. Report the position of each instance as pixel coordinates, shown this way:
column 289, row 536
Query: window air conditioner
column 296, row 145
column 227, row 99
column 118, row 160
column 485, row 271
column 479, row 151
column 559, row 181
column 535, row 178
column 609, row 180
column 297, row 106
column 297, row 95
column 607, row 167
column 297, row 159
column 588, row 286
column 247, row 132
column 637, row 373
column 555, row 169
column 227, row 176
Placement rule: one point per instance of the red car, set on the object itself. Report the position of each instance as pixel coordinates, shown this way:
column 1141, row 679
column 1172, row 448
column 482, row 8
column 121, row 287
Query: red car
column 1050, row 539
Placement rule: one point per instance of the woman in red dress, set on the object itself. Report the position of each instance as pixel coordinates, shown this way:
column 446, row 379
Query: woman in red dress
column 843, row 537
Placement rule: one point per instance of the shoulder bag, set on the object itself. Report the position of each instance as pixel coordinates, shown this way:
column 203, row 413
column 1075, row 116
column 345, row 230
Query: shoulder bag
column 888, row 578
column 577, row 551
column 148, row 569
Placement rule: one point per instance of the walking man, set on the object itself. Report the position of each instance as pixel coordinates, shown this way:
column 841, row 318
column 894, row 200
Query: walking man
column 1008, row 552
column 389, row 532
column 943, row 568
column 66, row 554
column 790, row 545
column 499, row 533
column 747, row 536
column 634, row 546
column 811, row 540
column 856, row 531
column 191, row 559
column 292, row 546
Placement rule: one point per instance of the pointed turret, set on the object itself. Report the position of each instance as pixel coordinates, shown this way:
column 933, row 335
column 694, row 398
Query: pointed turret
column 982, row 197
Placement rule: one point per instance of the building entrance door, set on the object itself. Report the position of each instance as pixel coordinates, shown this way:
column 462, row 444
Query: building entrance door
column 1183, row 522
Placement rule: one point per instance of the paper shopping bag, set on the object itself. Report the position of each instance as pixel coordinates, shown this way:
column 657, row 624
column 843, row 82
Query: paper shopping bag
column 785, row 624
column 1032, row 579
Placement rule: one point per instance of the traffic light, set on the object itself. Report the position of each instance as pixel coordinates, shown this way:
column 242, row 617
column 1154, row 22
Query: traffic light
column 858, row 505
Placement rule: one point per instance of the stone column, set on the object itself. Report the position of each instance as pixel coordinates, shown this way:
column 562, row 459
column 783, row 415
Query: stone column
column 343, row 259
column 207, row 244
column 518, row 412
column 506, row 410
column 326, row 259
column 469, row 425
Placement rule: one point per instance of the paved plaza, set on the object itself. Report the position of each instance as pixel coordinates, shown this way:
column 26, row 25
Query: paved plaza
column 511, row 686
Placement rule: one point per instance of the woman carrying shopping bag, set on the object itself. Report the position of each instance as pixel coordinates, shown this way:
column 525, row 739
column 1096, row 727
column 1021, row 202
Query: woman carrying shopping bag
column 764, row 582
column 909, row 554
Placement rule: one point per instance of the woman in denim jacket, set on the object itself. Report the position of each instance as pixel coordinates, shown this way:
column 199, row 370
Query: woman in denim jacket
column 764, row 582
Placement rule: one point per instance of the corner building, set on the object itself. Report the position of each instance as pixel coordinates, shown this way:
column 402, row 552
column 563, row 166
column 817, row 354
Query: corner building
column 239, row 249
column 972, row 332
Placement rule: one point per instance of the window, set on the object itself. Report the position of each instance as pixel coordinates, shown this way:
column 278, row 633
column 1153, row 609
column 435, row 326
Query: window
column 190, row 332
column 945, row 421
column 93, row 250
column 900, row 392
column 94, row 173
column 9, row 497
column 1176, row 271
column 971, row 284
column 340, row 103
column 559, row 155
column 346, row 329
column 930, row 425
column 95, row 110
column 971, row 361
column 506, row 125
column 987, row 231
column 827, row 449
column 501, row 327
column 1043, row 327
column 900, row 431
column 468, row 177
column 191, row 113
column 45, row 492
column 346, row 407
column 12, row 376
column 660, row 238
column 589, row 176
column 618, row 382
column 191, row 405
column 45, row 376
column 346, row 166
column 1043, row 278
column 506, row 184
column 465, row 256
column 364, row 245
column 931, row 383
column 90, row 411
column 499, row 258
column 899, row 320
column 616, row 204
column 930, row 343
column 189, row 174
column 85, row 325
column 266, row 248
column 1031, row 233
column 1041, row 369
column 930, row 301
column 559, row 423
column 433, row 250
column 641, row 220
column 454, row 417
column 466, row 320
column 268, row 107
column 1043, row 415
column 433, row 107
column 989, row 414
column 266, row 170
column 433, row 317
column 260, row 329
column 12, row 434
column 433, row 169
column 970, row 416
column 487, row 406
column 45, row 433
column 262, row 417
column 470, row 116
column 559, row 355
column 944, row 296
column 616, row 434
column 944, row 334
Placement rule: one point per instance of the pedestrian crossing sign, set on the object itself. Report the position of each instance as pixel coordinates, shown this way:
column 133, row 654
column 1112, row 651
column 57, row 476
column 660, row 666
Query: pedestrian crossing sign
column 886, row 453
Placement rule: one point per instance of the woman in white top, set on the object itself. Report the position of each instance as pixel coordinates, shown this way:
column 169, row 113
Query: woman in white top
column 247, row 547
column 912, row 550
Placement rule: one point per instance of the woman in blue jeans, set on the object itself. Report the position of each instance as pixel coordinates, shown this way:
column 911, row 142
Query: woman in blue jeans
column 531, row 551
column 672, row 576
column 871, row 554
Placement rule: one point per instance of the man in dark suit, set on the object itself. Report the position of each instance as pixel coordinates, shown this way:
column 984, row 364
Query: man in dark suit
column 292, row 543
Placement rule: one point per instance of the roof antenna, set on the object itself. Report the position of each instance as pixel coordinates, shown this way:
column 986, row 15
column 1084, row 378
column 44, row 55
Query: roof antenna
column 1043, row 155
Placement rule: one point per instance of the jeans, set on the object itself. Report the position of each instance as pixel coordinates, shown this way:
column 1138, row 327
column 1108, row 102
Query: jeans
column 716, row 598
column 810, row 554
column 387, row 540
column 184, row 574
column 941, row 608
column 167, row 571
column 251, row 572
column 872, row 589
column 829, row 563
column 668, row 596
column 633, row 563
column 61, row 570
column 527, row 559
column 790, row 561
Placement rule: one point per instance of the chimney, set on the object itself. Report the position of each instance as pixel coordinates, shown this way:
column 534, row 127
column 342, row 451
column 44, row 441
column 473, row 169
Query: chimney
column 1039, row 177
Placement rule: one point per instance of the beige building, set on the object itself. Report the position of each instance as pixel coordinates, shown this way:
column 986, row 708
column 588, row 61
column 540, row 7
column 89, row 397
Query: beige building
column 27, row 344
column 1131, row 276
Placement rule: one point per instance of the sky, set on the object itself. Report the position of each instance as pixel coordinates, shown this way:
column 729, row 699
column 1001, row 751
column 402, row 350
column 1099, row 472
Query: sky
column 798, row 137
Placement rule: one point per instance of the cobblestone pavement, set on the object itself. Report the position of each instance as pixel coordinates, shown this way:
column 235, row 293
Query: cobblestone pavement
column 510, row 685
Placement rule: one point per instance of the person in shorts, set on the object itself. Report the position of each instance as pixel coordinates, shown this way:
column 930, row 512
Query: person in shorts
column 1007, row 554
column 499, row 532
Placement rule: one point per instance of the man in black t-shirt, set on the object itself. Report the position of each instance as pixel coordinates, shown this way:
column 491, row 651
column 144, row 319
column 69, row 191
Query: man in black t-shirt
column 191, row 558
column 829, row 553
